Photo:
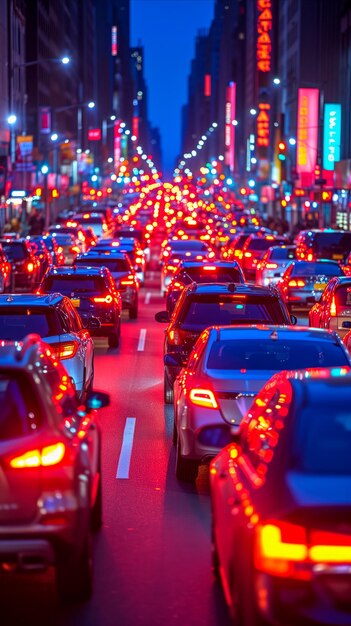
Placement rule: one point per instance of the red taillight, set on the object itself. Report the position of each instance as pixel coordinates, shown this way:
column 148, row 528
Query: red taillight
column 30, row 267
column 127, row 281
column 271, row 266
column 203, row 397
column 75, row 249
column 298, row 282
column 209, row 268
column 247, row 255
column 103, row 300
column 44, row 457
column 64, row 350
column 332, row 311
column 59, row 249
column 175, row 337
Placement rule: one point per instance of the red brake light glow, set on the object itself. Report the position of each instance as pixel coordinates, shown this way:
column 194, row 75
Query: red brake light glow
column 203, row 397
column 64, row 350
column 298, row 282
column 30, row 267
column 128, row 281
column 49, row 455
column 271, row 266
column 332, row 311
column 105, row 300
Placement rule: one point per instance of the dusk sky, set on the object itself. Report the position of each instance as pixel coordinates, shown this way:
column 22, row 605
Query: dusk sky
column 167, row 29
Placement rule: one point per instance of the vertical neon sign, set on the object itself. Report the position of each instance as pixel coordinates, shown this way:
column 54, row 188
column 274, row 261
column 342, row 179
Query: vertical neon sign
column 307, row 130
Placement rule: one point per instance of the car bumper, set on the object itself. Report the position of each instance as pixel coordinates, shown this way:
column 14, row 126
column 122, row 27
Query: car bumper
column 305, row 298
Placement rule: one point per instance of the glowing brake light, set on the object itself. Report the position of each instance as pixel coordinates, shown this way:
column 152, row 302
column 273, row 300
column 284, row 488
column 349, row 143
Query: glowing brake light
column 247, row 255
column 296, row 282
column 271, row 266
column 128, row 281
column 203, row 397
column 332, row 311
column 30, row 267
column 105, row 300
column 209, row 268
column 50, row 455
column 64, row 350
column 75, row 249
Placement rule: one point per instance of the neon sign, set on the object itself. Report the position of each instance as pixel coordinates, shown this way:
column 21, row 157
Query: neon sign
column 332, row 135
column 264, row 39
column 263, row 124
column 307, row 130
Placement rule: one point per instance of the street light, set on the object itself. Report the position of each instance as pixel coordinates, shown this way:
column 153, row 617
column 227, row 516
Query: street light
column 11, row 120
column 45, row 171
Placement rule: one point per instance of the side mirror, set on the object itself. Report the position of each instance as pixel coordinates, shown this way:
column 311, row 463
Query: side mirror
column 97, row 400
column 293, row 319
column 346, row 324
column 174, row 359
column 92, row 323
column 162, row 316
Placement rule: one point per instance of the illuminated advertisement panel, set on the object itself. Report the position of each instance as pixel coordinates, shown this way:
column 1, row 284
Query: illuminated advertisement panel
column 230, row 112
column 114, row 45
column 116, row 144
column 207, row 85
column 264, row 35
column 307, row 130
column 331, row 135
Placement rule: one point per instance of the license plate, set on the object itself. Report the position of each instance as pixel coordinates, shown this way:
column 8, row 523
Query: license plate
column 337, row 257
column 319, row 286
column 75, row 301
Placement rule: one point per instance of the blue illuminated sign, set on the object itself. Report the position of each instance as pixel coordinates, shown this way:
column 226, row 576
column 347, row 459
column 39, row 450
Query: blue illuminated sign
column 332, row 134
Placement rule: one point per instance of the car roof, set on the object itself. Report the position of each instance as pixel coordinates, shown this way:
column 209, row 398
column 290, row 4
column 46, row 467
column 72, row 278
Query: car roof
column 77, row 271
column 240, row 288
column 190, row 264
column 30, row 299
column 273, row 332
column 19, row 354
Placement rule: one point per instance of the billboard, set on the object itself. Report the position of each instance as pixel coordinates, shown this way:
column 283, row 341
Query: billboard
column 331, row 135
column 307, row 130
column 230, row 113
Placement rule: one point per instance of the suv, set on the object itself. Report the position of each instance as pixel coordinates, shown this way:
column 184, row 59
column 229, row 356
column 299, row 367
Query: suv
column 50, row 497
column 25, row 265
column 92, row 291
column 200, row 306
column 56, row 320
column 122, row 273
column 323, row 243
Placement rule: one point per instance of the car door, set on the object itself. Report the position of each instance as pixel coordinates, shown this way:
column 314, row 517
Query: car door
column 82, row 335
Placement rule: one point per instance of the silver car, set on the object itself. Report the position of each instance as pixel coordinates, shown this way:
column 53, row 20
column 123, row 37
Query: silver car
column 273, row 264
column 54, row 318
column 226, row 369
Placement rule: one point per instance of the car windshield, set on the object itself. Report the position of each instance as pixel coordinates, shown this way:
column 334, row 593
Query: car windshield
column 14, row 251
column 322, row 441
column 275, row 355
column 114, row 265
column 68, row 285
column 311, row 269
column 20, row 415
column 17, row 322
column 232, row 309
column 281, row 254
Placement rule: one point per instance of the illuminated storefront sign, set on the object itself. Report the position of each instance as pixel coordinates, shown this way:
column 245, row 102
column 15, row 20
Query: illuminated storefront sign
column 263, row 125
column 332, row 135
column 116, row 144
column 264, row 35
column 114, row 44
column 307, row 130
column 207, row 85
column 229, row 139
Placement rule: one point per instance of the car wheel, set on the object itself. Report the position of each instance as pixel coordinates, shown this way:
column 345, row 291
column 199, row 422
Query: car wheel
column 186, row 469
column 74, row 574
column 133, row 311
column 113, row 338
column 167, row 390
column 96, row 513
column 243, row 602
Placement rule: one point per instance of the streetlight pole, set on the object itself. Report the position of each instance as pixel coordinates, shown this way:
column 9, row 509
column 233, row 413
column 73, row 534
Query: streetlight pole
column 45, row 171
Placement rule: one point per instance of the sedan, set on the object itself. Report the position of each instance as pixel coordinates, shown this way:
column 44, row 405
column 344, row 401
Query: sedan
column 270, row 269
column 334, row 308
column 303, row 282
column 226, row 369
column 281, row 504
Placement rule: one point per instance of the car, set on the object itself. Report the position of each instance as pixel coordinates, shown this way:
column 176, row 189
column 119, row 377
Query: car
column 253, row 250
column 25, row 265
column 56, row 253
column 5, row 272
column 323, row 243
column 50, row 451
column 281, row 534
column 200, row 306
column 92, row 291
column 333, row 310
column 303, row 282
column 69, row 246
column 132, row 247
column 122, row 272
column 41, row 251
column 96, row 221
column 225, row 371
column 181, row 250
column 201, row 272
column 272, row 266
column 70, row 228
column 56, row 321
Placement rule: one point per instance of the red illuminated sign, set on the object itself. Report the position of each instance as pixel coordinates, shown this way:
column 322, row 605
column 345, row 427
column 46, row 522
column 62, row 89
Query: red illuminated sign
column 264, row 35
column 116, row 143
column 263, row 124
column 207, row 85
column 230, row 112
column 135, row 126
column 45, row 120
column 307, row 130
column 94, row 134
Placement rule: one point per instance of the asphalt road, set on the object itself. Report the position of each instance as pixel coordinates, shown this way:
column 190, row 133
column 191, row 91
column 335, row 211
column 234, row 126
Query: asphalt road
column 152, row 556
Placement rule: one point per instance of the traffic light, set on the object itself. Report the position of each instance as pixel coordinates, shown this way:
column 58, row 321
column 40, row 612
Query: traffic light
column 282, row 151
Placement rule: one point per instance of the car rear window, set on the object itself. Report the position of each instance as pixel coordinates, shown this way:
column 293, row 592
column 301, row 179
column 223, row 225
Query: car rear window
column 281, row 254
column 74, row 284
column 17, row 322
column 188, row 244
column 20, row 415
column 228, row 310
column 260, row 244
column 213, row 274
column 311, row 269
column 343, row 296
column 274, row 355
column 114, row 265
column 331, row 245
column 15, row 251
column 322, row 440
